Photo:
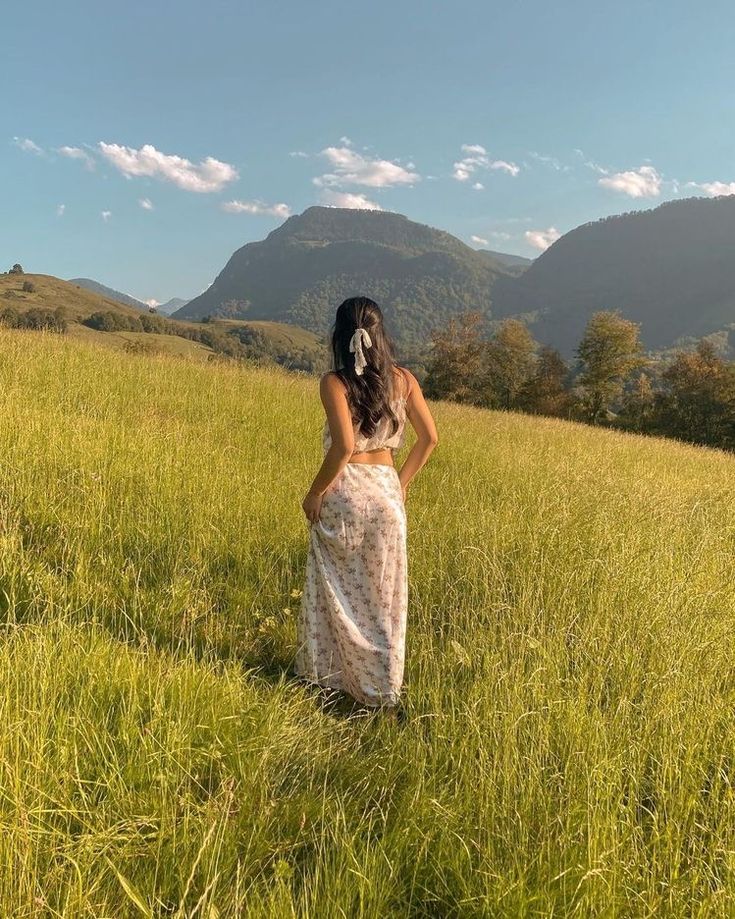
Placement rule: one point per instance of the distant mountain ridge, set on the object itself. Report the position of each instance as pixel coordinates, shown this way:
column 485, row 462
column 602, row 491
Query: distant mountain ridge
column 671, row 268
column 108, row 292
column 170, row 306
column 167, row 308
column 419, row 275
column 506, row 258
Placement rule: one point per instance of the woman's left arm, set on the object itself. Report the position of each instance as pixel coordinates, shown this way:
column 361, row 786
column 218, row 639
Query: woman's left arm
column 334, row 400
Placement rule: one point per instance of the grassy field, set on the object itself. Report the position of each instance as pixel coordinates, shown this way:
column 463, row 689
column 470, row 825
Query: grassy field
column 281, row 333
column 569, row 748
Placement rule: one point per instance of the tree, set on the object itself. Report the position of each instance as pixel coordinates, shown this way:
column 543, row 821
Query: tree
column 456, row 353
column 638, row 407
column 699, row 405
column 509, row 360
column 609, row 352
column 16, row 269
column 29, row 287
column 546, row 392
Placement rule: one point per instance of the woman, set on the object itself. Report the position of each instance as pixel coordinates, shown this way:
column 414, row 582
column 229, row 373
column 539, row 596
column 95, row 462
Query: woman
column 352, row 622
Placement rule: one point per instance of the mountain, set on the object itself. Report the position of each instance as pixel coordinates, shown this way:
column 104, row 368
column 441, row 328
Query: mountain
column 300, row 273
column 671, row 268
column 166, row 309
column 170, row 306
column 108, row 292
column 517, row 262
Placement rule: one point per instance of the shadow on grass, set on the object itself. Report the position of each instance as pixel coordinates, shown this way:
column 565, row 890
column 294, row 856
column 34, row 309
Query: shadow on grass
column 268, row 659
column 333, row 702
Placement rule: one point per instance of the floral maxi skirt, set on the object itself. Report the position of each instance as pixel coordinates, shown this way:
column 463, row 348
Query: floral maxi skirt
column 351, row 628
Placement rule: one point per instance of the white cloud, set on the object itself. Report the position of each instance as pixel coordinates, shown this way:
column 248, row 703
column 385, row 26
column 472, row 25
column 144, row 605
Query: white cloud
column 256, row 207
column 477, row 158
column 27, row 145
column 146, row 204
column 60, row 209
column 478, row 186
column 644, row 182
column 76, row 153
column 346, row 141
column 714, row 189
column 548, row 160
column 152, row 302
column 479, row 240
column 209, row 175
column 106, row 215
column 299, row 153
column 506, row 167
column 347, row 199
column 590, row 164
column 542, row 239
column 352, row 168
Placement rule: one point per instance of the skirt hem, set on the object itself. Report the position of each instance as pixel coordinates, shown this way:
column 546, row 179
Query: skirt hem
column 322, row 684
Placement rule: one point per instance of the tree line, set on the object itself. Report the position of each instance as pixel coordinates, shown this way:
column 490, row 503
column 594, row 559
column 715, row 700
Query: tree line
column 611, row 381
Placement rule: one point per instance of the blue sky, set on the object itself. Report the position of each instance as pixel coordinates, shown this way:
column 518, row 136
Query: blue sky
column 146, row 142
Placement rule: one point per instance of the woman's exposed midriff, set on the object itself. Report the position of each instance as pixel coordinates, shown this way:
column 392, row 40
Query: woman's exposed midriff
column 381, row 455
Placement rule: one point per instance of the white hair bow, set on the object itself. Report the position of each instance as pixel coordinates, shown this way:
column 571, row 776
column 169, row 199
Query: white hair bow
column 359, row 338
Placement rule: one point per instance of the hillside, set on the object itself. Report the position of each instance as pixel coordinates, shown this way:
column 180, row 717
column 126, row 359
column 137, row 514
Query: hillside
column 108, row 292
column 568, row 675
column 51, row 292
column 165, row 309
column 291, row 346
column 671, row 268
column 303, row 270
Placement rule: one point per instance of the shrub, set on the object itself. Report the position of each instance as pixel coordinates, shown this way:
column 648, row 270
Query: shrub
column 42, row 318
column 9, row 317
column 141, row 347
column 109, row 321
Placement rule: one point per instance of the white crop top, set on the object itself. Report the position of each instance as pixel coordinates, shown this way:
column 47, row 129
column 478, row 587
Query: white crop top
column 381, row 438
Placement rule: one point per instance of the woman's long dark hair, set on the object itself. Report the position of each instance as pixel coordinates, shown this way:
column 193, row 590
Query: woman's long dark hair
column 370, row 394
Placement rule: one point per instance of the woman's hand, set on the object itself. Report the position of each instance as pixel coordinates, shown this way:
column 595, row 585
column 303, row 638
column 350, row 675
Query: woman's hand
column 312, row 505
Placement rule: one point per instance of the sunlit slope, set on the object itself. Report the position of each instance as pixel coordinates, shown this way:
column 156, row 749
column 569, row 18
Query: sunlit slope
column 282, row 340
column 50, row 292
column 570, row 674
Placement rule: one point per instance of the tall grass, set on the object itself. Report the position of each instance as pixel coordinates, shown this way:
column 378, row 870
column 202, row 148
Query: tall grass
column 570, row 675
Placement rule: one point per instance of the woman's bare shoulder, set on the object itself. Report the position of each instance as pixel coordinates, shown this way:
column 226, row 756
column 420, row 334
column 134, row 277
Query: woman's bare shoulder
column 332, row 380
column 409, row 380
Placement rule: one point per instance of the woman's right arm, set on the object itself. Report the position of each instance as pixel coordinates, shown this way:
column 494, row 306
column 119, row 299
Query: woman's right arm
column 342, row 435
column 426, row 436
